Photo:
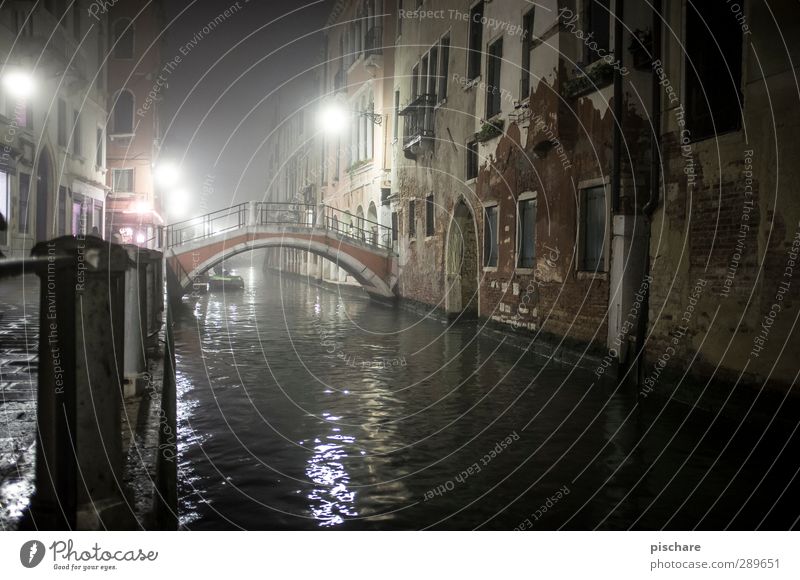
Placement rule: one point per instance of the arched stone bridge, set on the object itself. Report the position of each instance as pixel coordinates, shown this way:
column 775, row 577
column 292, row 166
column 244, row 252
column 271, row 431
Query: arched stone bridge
column 360, row 247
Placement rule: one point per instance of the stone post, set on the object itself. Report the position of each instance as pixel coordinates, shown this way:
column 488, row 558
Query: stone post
column 155, row 290
column 79, row 445
column 135, row 320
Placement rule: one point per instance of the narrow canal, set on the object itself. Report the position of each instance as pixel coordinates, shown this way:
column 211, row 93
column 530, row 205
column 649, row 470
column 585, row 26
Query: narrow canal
column 300, row 408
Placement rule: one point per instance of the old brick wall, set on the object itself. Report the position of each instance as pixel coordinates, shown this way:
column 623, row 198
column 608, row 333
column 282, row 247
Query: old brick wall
column 727, row 218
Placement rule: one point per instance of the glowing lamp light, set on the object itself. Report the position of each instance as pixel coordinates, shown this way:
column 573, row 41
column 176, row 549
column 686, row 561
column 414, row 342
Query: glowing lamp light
column 333, row 118
column 167, row 174
column 142, row 207
column 178, row 202
column 140, row 238
column 18, row 84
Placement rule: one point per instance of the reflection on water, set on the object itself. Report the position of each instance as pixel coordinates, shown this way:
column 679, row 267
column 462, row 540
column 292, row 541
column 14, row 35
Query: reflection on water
column 300, row 408
column 331, row 500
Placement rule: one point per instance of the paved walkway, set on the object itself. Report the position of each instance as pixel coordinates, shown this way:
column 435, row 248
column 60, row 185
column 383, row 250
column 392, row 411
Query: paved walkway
column 19, row 312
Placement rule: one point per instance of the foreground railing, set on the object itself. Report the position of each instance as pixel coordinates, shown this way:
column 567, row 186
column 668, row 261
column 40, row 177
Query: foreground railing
column 99, row 302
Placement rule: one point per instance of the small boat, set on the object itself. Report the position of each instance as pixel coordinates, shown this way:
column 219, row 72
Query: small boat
column 225, row 281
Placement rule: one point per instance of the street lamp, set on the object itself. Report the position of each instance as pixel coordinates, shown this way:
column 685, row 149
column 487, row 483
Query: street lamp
column 178, row 201
column 334, row 115
column 167, row 174
column 19, row 84
column 333, row 118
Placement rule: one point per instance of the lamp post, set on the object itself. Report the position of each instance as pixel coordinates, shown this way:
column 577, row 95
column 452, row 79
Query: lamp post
column 334, row 115
column 19, row 84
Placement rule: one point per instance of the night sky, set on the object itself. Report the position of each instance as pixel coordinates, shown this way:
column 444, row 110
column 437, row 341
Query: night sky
column 223, row 80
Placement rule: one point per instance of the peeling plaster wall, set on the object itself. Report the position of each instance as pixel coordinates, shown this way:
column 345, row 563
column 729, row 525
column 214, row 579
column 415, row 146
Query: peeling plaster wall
column 699, row 234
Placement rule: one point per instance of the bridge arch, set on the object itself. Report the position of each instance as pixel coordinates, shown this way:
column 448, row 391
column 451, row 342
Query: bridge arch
column 372, row 270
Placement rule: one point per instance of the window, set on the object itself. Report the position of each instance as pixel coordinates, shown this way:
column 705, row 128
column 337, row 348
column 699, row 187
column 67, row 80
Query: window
column 444, row 66
column 21, row 113
column 5, row 205
column 370, row 125
column 62, row 211
column 430, row 210
column 592, row 234
column 598, row 28
column 713, row 73
column 527, row 55
column 412, row 220
column 493, row 94
column 99, row 159
column 123, row 113
column 76, row 20
column 62, row 122
column 475, row 41
column 77, row 147
column 423, row 75
column 415, row 82
column 24, row 197
column 490, row 237
column 394, row 226
column 399, row 18
column 433, row 72
column 472, row 160
column 123, row 39
column 526, row 232
column 396, row 121
column 97, row 217
column 122, row 180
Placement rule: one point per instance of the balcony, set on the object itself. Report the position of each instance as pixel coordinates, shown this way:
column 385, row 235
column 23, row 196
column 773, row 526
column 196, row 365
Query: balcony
column 418, row 125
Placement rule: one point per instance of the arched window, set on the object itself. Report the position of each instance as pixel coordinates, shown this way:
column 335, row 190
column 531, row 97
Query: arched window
column 123, row 38
column 122, row 122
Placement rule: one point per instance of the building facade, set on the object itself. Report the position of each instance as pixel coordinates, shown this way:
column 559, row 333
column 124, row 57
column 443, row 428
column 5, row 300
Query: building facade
column 356, row 163
column 725, row 234
column 591, row 176
column 293, row 168
column 137, row 79
column 53, row 111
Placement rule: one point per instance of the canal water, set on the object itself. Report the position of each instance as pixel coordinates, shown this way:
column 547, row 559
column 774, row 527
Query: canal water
column 304, row 408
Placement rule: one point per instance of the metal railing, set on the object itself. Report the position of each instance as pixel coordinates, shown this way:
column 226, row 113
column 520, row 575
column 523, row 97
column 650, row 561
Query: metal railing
column 289, row 215
column 418, row 124
column 286, row 214
column 352, row 226
column 205, row 226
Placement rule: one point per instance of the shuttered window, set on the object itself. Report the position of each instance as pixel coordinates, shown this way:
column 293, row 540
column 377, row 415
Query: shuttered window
column 490, row 237
column 527, row 233
column 593, row 229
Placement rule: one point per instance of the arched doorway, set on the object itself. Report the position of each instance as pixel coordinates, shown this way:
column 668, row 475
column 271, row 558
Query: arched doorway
column 372, row 216
column 462, row 262
column 43, row 195
column 360, row 224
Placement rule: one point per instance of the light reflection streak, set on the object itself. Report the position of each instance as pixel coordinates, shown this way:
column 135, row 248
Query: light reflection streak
column 331, row 500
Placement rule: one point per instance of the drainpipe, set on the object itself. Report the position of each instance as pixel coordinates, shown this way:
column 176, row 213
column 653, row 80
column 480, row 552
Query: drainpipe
column 616, row 151
column 655, row 181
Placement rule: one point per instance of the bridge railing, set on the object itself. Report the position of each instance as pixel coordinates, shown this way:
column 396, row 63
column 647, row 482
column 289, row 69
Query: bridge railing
column 268, row 213
column 205, row 226
column 359, row 228
column 312, row 216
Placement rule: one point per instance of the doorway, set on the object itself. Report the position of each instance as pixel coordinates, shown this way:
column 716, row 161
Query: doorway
column 43, row 183
column 461, row 293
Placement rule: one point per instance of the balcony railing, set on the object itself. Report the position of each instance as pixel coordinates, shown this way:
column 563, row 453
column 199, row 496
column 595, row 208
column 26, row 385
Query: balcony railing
column 418, row 123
